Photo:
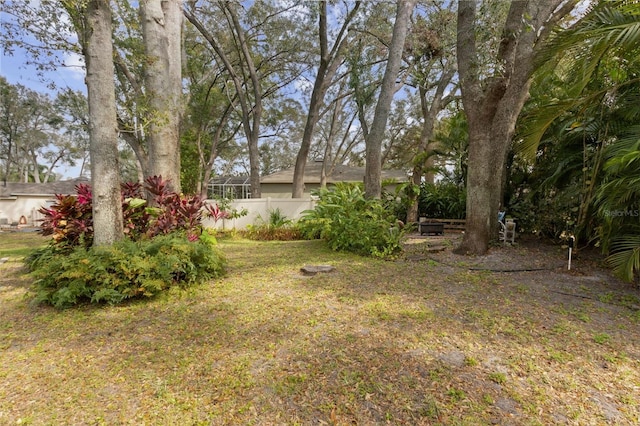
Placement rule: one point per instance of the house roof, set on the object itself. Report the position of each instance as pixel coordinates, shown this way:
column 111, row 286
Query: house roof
column 230, row 180
column 65, row 187
column 340, row 173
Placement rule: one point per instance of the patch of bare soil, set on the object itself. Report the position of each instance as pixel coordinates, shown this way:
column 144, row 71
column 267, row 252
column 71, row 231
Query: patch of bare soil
column 541, row 264
column 546, row 304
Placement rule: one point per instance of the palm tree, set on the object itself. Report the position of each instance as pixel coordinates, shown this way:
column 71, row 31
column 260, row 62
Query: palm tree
column 594, row 70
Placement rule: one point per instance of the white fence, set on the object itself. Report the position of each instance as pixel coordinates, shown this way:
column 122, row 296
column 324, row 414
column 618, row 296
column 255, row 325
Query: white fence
column 260, row 208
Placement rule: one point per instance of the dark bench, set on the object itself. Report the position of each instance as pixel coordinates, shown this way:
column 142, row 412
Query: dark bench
column 431, row 228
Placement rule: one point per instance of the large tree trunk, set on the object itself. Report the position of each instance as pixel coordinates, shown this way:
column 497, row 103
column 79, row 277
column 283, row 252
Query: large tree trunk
column 373, row 166
column 492, row 104
column 162, row 29
column 483, row 186
column 103, row 127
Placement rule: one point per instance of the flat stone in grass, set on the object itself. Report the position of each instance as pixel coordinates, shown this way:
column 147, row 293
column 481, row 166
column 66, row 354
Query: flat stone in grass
column 316, row 269
column 609, row 409
column 508, row 405
column 453, row 359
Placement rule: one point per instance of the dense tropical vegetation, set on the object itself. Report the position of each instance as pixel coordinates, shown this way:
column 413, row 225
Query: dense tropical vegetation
column 578, row 153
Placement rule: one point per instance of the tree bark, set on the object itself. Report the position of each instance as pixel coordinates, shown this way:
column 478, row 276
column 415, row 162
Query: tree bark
column 103, row 127
column 373, row 166
column 254, row 131
column 493, row 102
column 162, row 29
column 213, row 153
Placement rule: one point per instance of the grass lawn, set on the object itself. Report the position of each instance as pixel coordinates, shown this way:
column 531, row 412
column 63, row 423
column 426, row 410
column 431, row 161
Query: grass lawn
column 16, row 245
column 420, row 340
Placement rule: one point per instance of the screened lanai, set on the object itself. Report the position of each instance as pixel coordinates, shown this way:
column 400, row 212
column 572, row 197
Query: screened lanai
column 230, row 187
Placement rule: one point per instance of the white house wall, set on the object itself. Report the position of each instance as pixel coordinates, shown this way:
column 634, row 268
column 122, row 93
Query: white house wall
column 16, row 207
column 290, row 208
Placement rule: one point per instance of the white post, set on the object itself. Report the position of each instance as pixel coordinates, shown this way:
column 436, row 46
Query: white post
column 571, row 243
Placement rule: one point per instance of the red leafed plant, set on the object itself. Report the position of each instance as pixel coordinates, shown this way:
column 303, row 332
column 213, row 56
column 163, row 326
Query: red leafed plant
column 70, row 219
column 214, row 212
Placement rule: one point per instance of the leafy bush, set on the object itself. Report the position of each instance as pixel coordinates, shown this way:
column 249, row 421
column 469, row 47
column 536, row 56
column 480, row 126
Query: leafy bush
column 279, row 227
column 224, row 204
column 399, row 201
column 70, row 219
column 550, row 214
column 125, row 270
column 165, row 247
column 442, row 201
column 350, row 222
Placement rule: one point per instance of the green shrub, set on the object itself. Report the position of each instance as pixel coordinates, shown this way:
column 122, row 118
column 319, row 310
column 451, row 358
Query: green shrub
column 550, row 215
column 442, row 201
column 70, row 220
column 350, row 222
column 279, row 227
column 125, row 270
column 402, row 197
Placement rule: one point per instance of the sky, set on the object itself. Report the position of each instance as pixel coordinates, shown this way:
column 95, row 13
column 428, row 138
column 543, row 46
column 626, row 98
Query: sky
column 17, row 71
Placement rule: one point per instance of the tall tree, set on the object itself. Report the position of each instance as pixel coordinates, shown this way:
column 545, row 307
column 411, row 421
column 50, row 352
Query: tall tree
column 431, row 51
column 493, row 97
column 330, row 60
column 207, row 127
column 373, row 166
column 257, row 59
column 24, row 130
column 33, row 136
column 162, row 33
column 337, row 139
column 246, row 89
column 140, row 115
column 94, row 28
column 74, row 110
column 134, row 114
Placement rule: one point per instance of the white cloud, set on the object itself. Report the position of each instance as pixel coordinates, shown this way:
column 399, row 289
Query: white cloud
column 74, row 66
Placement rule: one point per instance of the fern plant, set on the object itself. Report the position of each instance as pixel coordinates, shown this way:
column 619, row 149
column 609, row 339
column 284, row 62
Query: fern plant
column 128, row 269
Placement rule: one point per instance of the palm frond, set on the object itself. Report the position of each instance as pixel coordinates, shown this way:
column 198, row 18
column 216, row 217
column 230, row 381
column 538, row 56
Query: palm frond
column 535, row 125
column 610, row 29
column 624, row 154
column 625, row 257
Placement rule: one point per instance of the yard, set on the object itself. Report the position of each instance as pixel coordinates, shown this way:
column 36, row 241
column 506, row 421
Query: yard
column 427, row 338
